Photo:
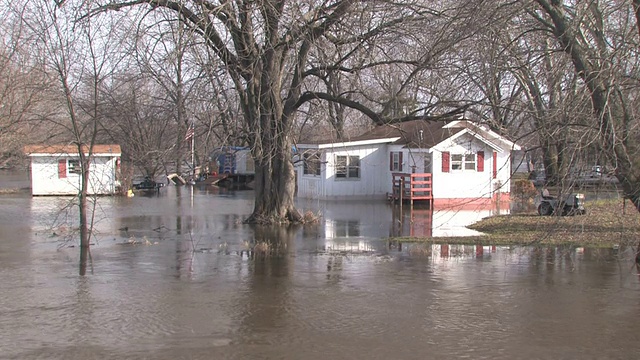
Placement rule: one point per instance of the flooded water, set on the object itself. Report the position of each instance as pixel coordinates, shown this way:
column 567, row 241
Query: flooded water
column 170, row 278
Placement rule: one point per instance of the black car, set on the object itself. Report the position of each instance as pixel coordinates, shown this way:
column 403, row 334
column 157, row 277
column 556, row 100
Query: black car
column 148, row 184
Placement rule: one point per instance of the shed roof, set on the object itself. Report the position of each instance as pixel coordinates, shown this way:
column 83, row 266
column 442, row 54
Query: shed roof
column 59, row 149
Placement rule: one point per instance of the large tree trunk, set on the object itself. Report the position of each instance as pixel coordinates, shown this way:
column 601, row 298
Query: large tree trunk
column 275, row 183
column 608, row 101
column 275, row 190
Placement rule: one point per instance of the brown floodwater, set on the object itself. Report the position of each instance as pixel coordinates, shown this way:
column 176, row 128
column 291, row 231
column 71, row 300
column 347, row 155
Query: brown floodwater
column 171, row 278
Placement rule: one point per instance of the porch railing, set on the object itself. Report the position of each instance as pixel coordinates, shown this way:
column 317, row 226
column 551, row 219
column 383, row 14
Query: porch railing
column 410, row 187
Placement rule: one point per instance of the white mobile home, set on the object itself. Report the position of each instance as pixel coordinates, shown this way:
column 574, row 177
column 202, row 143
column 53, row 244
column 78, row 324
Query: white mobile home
column 462, row 162
column 55, row 169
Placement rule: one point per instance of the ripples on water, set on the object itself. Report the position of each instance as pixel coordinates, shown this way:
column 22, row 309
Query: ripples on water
column 331, row 291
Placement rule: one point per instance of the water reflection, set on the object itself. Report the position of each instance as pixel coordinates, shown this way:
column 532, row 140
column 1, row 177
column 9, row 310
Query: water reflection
column 202, row 290
column 437, row 222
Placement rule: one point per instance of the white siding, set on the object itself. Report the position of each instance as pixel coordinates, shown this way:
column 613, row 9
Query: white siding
column 412, row 158
column 504, row 173
column 45, row 179
column 461, row 184
column 374, row 163
column 375, row 178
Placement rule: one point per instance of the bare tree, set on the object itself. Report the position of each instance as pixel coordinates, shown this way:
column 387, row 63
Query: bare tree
column 139, row 122
column 600, row 46
column 266, row 49
column 64, row 43
column 22, row 89
column 163, row 50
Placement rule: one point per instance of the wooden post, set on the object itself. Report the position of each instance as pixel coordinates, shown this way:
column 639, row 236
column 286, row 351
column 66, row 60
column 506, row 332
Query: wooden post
column 411, row 191
column 401, row 195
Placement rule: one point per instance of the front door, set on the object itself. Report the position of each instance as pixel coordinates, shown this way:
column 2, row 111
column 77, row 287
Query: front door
column 427, row 163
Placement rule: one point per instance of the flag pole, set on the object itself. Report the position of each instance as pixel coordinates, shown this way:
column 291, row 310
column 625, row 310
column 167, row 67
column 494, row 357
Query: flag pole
column 193, row 150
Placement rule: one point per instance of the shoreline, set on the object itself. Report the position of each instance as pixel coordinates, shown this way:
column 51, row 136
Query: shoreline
column 607, row 224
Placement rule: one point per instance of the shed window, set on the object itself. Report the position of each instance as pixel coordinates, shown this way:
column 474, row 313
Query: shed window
column 463, row 162
column 347, row 167
column 456, row 161
column 74, row 167
column 311, row 163
column 470, row 162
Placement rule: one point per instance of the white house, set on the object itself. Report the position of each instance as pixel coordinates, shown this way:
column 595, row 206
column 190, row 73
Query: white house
column 55, row 169
column 463, row 162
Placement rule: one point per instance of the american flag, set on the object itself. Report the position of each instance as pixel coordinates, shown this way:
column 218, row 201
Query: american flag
column 189, row 134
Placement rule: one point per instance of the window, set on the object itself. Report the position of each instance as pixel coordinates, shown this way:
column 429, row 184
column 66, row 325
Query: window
column 347, row 167
column 74, row 167
column 463, row 162
column 311, row 165
column 470, row 162
column 427, row 163
column 456, row 161
column 395, row 161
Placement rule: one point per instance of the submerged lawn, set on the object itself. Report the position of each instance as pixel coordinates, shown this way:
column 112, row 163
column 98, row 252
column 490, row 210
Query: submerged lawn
column 604, row 225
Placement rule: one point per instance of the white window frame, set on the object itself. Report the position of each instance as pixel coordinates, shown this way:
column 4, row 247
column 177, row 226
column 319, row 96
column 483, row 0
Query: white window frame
column 457, row 161
column 464, row 162
column 309, row 160
column 349, row 167
column 470, row 162
column 396, row 161
column 73, row 167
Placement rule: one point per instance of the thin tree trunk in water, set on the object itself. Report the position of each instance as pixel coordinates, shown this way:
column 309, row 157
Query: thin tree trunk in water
column 85, row 234
column 84, row 260
column 82, row 200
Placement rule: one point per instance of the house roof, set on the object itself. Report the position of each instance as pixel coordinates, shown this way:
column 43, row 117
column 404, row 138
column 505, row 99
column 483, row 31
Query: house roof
column 412, row 134
column 65, row 149
column 421, row 134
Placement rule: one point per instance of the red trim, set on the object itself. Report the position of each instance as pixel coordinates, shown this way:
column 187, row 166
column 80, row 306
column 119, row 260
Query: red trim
column 62, row 168
column 446, row 157
column 480, row 161
column 472, row 203
column 495, row 164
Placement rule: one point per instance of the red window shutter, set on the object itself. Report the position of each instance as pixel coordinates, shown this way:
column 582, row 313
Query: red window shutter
column 400, row 161
column 446, row 157
column 495, row 164
column 480, row 161
column 62, row 168
column 390, row 160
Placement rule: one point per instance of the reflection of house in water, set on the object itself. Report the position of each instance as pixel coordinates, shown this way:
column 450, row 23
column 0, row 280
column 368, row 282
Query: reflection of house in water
column 344, row 235
column 363, row 225
column 349, row 226
column 439, row 222
column 478, row 251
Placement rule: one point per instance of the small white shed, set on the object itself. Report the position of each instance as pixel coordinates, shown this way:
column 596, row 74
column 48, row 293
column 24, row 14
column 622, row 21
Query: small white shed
column 55, row 169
